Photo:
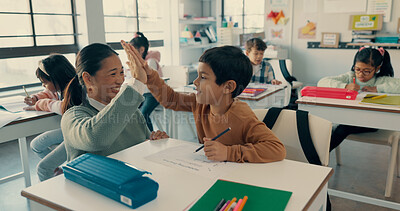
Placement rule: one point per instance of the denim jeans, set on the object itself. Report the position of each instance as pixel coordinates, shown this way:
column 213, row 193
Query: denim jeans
column 50, row 159
column 148, row 105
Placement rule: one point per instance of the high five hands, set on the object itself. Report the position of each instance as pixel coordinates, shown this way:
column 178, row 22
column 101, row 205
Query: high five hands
column 138, row 66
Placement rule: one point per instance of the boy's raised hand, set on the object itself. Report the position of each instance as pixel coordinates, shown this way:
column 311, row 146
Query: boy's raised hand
column 214, row 150
column 139, row 67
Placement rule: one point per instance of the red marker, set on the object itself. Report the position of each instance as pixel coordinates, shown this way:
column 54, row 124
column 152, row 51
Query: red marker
column 354, row 80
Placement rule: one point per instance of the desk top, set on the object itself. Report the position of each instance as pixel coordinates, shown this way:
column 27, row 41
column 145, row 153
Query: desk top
column 271, row 89
column 351, row 104
column 179, row 188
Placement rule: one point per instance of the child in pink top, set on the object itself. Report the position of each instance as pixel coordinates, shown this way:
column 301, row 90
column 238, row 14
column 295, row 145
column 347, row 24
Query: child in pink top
column 54, row 72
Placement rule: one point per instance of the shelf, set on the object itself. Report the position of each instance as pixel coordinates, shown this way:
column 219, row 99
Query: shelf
column 199, row 22
column 198, row 46
column 348, row 45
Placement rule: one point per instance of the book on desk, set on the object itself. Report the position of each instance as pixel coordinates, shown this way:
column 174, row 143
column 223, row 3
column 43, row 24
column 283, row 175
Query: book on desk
column 259, row 198
column 252, row 92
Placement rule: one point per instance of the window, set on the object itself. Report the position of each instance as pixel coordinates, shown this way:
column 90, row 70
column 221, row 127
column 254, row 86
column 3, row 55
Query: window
column 249, row 14
column 29, row 31
column 122, row 18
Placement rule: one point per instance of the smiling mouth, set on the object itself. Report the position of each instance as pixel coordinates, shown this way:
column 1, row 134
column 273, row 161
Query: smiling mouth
column 115, row 89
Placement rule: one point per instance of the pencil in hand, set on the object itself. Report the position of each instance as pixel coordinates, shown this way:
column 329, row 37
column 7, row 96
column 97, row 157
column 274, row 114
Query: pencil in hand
column 27, row 95
column 215, row 138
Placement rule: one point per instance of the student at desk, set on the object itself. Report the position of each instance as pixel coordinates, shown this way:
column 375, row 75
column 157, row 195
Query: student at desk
column 262, row 69
column 371, row 72
column 223, row 73
column 54, row 72
column 101, row 113
column 152, row 58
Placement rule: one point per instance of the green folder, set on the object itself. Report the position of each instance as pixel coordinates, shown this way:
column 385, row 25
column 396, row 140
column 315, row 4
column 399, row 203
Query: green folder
column 388, row 100
column 259, row 198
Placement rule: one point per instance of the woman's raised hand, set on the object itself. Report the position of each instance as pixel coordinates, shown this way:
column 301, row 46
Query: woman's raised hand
column 139, row 67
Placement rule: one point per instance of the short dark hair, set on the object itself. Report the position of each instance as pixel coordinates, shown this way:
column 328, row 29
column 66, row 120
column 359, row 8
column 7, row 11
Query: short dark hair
column 255, row 42
column 140, row 41
column 375, row 58
column 229, row 63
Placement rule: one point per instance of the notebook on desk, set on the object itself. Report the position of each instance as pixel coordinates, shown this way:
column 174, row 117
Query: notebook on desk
column 252, row 92
column 13, row 104
column 259, row 198
column 393, row 100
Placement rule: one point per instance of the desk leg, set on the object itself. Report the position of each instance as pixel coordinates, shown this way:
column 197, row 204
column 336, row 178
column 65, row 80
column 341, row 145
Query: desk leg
column 24, row 159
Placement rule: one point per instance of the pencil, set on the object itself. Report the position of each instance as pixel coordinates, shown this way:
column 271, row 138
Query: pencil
column 378, row 97
column 25, row 91
column 215, row 138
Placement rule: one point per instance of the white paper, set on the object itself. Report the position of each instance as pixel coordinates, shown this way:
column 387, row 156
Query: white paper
column 380, row 7
column 7, row 117
column 13, row 104
column 344, row 6
column 183, row 157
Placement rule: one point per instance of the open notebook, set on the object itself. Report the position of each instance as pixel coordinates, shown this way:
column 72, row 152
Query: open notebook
column 13, row 104
column 393, row 100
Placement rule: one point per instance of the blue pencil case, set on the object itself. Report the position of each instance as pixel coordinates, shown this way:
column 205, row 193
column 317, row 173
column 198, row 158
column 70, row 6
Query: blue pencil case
column 113, row 178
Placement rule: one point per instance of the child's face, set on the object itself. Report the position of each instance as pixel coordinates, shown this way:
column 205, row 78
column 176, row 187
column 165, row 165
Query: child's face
column 48, row 85
column 255, row 55
column 208, row 92
column 364, row 72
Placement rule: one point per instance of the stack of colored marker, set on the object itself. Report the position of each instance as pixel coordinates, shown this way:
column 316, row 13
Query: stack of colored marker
column 231, row 205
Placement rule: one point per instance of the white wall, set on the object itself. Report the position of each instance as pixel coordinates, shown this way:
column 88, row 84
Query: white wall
column 309, row 65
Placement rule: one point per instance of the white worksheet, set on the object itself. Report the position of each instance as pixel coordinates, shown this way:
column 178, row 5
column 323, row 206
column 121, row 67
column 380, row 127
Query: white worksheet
column 183, row 157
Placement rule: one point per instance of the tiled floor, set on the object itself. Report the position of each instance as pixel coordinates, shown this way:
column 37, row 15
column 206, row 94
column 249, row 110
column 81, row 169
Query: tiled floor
column 363, row 172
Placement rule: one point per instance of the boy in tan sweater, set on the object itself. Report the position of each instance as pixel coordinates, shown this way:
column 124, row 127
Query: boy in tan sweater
column 223, row 73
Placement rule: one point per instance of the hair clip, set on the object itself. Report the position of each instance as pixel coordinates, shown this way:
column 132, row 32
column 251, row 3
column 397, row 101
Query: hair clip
column 136, row 35
column 362, row 48
column 381, row 50
column 41, row 67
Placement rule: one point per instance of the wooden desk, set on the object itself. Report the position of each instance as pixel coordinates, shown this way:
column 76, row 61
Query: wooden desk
column 31, row 123
column 179, row 188
column 351, row 112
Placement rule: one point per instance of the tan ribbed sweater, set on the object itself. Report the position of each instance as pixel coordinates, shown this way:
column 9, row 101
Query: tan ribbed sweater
column 249, row 139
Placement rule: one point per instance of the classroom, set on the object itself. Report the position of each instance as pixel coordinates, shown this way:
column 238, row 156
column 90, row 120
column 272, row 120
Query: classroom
column 314, row 127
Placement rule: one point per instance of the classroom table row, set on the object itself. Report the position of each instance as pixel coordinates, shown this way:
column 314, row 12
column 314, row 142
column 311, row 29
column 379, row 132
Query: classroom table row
column 180, row 185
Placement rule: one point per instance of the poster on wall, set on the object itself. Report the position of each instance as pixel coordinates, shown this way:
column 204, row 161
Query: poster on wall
column 380, row 7
column 344, row 6
column 366, row 22
column 308, row 31
column 276, row 33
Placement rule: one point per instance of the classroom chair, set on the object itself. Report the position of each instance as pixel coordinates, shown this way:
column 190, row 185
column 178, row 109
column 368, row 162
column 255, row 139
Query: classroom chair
column 280, row 73
column 382, row 137
column 285, row 128
column 178, row 77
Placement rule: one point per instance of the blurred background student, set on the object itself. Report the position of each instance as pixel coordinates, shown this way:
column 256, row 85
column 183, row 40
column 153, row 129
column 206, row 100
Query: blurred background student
column 262, row 69
column 371, row 72
column 152, row 58
column 54, row 72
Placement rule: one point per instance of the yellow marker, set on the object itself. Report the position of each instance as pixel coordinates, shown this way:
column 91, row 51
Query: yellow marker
column 25, row 91
column 378, row 97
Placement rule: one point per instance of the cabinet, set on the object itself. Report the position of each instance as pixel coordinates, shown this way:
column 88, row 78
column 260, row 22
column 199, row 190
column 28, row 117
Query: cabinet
column 201, row 14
